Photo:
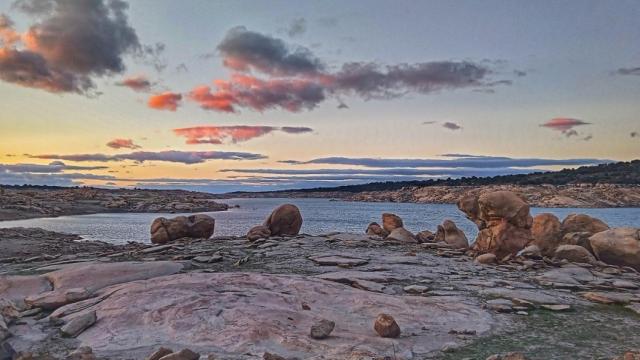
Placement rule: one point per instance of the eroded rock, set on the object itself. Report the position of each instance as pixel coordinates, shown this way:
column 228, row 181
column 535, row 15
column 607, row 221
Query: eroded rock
column 164, row 230
column 284, row 220
column 386, row 326
column 619, row 246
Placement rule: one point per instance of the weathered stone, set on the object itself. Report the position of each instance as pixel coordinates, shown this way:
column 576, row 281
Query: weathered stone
column 391, row 222
column 486, row 259
column 425, row 236
column 284, row 220
column 449, row 233
column 337, row 260
column 386, row 326
column 376, row 230
column 574, row 253
column 608, row 297
column 322, row 329
column 619, row 246
column 402, row 235
column 258, row 232
column 578, row 238
column 415, row 289
column 164, row 230
column 531, row 251
column 583, row 223
column 507, row 356
column 547, row 233
column 79, row 323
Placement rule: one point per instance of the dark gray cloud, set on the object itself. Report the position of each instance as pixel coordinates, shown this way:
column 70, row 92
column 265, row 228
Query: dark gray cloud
column 634, row 134
column 52, row 167
column 451, row 126
column 70, row 43
column 184, row 157
column 629, row 71
column 452, row 172
column 245, row 50
column 461, row 162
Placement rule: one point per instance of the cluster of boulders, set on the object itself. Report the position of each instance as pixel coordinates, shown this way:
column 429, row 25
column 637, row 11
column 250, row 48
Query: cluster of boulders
column 507, row 228
column 285, row 220
column 164, row 230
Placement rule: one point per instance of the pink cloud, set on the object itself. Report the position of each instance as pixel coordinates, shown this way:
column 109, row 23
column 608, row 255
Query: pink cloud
column 136, row 83
column 233, row 134
column 563, row 124
column 165, row 101
column 122, row 144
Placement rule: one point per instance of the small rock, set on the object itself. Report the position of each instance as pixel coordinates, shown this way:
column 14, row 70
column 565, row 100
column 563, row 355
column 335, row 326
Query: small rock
column 78, row 324
column 82, row 353
column 449, row 347
column 415, row 289
column 508, row 356
column 487, row 258
column 531, row 251
column 635, row 307
column 158, row 354
column 386, row 326
column 607, row 297
column 270, row 356
column 556, row 307
column 624, row 284
column 322, row 329
column 184, row 354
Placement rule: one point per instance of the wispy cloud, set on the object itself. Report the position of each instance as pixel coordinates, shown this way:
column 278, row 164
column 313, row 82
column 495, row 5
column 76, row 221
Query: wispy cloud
column 451, row 126
column 461, row 162
column 233, row 134
column 565, row 125
column 122, row 144
column 138, row 83
column 629, row 71
column 184, row 157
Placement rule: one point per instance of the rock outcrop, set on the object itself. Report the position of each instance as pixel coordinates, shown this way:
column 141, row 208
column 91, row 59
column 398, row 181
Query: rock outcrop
column 401, row 234
column 583, row 223
column 391, row 222
column 574, row 253
column 618, row 246
column 449, row 233
column 503, row 220
column 165, row 230
column 546, row 230
column 375, row 229
column 284, row 220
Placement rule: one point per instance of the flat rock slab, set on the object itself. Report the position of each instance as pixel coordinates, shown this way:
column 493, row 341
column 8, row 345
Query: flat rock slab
column 533, row 296
column 337, row 260
column 250, row 313
column 351, row 276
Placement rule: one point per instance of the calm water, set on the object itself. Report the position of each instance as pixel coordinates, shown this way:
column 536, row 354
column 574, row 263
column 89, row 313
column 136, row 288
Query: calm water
column 320, row 216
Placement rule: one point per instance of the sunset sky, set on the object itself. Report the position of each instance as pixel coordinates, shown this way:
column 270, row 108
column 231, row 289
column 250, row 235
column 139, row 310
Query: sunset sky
column 255, row 95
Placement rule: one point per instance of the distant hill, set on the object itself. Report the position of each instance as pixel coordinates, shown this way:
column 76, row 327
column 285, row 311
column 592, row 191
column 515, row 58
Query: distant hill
column 627, row 173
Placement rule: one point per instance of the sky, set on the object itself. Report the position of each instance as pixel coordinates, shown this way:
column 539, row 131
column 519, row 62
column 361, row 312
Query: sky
column 265, row 95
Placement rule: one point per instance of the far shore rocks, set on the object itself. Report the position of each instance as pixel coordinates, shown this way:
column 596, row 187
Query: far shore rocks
column 164, row 230
column 503, row 220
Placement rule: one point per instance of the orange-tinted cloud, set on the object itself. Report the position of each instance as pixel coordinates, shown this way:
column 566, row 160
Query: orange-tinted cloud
column 137, row 83
column 233, row 134
column 250, row 92
column 122, row 144
column 165, row 101
column 563, row 124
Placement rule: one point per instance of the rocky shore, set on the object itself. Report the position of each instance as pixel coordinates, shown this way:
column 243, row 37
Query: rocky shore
column 578, row 196
column 32, row 202
column 385, row 294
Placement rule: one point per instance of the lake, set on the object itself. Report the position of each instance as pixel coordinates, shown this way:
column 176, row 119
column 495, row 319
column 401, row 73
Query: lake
column 320, row 216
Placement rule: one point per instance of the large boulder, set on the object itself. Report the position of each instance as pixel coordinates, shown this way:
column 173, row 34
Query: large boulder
column 164, row 230
column 583, row 223
column 391, row 221
column 284, row 220
column 503, row 220
column 449, row 233
column 547, row 233
column 618, row 246
column 376, row 230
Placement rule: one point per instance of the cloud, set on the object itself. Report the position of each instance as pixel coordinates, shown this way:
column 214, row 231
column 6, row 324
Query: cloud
column 249, row 92
column 122, row 144
column 70, row 43
column 473, row 161
column 165, row 101
column 629, row 71
column 451, row 126
column 184, row 157
column 565, row 126
column 138, row 83
column 245, row 50
column 52, row 167
column 634, row 134
column 233, row 134
column 297, row 27
column 294, row 79
column 453, row 172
